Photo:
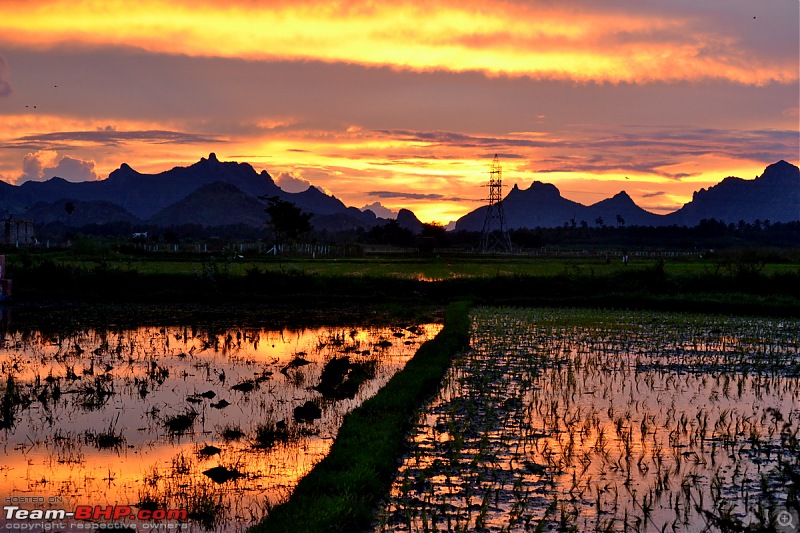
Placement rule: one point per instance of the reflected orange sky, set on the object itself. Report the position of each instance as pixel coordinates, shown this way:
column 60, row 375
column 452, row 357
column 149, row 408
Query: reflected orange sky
column 155, row 373
column 406, row 103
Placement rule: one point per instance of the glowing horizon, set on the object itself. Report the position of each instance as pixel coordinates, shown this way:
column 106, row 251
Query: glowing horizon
column 405, row 103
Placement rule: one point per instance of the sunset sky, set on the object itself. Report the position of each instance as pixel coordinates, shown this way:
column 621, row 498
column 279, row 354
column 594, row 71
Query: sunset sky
column 405, row 103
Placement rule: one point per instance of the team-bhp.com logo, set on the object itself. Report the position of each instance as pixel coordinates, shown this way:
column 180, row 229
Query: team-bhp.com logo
column 97, row 512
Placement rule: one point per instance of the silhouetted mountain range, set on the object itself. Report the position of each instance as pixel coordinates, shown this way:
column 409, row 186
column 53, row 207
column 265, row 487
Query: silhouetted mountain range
column 774, row 196
column 214, row 193
column 209, row 193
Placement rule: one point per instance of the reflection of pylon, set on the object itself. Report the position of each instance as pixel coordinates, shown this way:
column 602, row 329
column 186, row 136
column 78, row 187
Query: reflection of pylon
column 494, row 236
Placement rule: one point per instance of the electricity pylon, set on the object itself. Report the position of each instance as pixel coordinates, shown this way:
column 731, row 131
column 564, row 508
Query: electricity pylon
column 494, row 236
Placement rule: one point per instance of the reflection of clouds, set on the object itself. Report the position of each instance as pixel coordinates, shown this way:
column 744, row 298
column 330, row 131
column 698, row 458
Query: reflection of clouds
column 194, row 357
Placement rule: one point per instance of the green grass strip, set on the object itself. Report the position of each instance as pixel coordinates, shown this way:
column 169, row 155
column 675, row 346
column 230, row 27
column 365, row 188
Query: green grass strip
column 343, row 490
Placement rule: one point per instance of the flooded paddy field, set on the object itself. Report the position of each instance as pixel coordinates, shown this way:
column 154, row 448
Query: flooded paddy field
column 571, row 420
column 220, row 421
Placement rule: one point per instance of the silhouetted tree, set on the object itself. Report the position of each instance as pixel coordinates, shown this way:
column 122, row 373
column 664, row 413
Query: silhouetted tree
column 391, row 233
column 620, row 221
column 434, row 231
column 286, row 221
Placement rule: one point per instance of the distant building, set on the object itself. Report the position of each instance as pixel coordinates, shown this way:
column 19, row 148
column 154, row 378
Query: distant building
column 18, row 231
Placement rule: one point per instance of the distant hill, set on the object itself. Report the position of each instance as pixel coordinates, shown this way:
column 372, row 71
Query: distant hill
column 774, row 196
column 623, row 206
column 83, row 213
column 180, row 194
column 146, row 194
column 540, row 205
column 143, row 195
column 406, row 219
column 215, row 204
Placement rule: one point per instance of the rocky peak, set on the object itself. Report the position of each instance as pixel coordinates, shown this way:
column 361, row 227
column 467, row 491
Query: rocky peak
column 406, row 219
column 539, row 190
column 124, row 171
column 622, row 198
column 781, row 171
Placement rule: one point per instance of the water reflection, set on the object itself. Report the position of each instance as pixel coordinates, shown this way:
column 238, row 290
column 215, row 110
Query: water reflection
column 220, row 423
column 575, row 420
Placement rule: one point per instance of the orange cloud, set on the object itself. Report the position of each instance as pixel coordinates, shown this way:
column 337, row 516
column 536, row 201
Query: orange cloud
column 440, row 175
column 503, row 38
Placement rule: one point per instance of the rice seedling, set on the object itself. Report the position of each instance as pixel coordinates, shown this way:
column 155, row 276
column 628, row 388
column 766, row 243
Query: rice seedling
column 108, row 439
column 578, row 420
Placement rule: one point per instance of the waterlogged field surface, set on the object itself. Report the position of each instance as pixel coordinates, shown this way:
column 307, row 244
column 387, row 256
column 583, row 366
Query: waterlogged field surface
column 589, row 421
column 219, row 423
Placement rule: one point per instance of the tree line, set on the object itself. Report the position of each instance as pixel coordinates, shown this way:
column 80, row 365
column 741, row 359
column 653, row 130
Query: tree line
column 286, row 223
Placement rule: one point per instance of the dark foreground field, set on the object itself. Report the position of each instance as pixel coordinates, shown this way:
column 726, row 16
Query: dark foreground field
column 750, row 282
column 342, row 492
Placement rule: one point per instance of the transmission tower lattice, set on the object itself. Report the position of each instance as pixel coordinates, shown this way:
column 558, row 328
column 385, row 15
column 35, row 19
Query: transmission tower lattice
column 494, row 236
